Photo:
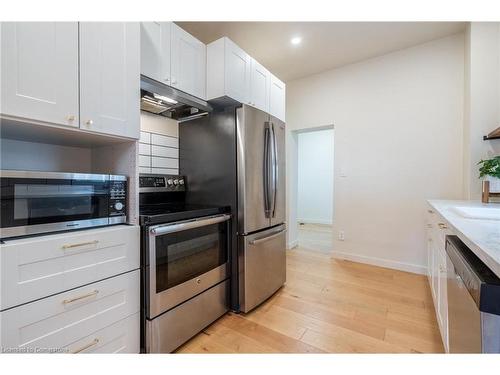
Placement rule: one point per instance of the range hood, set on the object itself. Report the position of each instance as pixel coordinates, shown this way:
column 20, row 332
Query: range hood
column 167, row 101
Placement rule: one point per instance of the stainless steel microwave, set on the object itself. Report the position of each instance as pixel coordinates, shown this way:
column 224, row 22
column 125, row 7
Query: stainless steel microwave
column 43, row 202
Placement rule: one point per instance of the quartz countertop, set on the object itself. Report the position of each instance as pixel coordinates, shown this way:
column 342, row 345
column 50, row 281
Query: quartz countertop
column 482, row 236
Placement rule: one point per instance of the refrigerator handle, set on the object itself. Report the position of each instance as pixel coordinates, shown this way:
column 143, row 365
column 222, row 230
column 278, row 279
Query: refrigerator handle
column 268, row 183
column 274, row 172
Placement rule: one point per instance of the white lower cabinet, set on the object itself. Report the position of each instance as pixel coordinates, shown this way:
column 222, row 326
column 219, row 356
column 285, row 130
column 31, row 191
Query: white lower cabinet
column 437, row 229
column 38, row 267
column 120, row 337
column 85, row 319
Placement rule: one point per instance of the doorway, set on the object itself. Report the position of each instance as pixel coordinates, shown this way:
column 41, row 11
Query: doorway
column 314, row 198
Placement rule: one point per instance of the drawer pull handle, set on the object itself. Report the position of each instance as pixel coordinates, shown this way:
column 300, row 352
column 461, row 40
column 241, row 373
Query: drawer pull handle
column 89, row 345
column 430, row 211
column 442, row 226
column 71, row 300
column 80, row 244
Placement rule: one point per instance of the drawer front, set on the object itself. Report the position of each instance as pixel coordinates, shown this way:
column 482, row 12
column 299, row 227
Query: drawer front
column 440, row 229
column 41, row 266
column 61, row 320
column 120, row 337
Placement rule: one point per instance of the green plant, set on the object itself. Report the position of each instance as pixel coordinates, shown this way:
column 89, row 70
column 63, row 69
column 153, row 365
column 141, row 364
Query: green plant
column 490, row 167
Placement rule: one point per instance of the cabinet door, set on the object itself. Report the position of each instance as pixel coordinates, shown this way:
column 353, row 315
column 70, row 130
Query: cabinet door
column 277, row 98
column 259, row 86
column 188, row 63
column 155, row 50
column 442, row 309
column 237, row 72
column 39, row 75
column 109, row 78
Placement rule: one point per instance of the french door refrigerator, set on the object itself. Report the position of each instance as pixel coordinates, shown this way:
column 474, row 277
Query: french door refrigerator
column 236, row 156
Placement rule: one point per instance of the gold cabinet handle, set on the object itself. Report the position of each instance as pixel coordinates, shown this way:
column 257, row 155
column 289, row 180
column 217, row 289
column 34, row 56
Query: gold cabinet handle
column 70, row 118
column 442, row 226
column 70, row 246
column 71, row 300
column 85, row 347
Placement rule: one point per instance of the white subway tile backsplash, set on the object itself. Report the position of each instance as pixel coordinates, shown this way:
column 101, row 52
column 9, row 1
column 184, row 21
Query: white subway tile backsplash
column 158, row 162
column 162, row 140
column 144, row 161
column 158, row 154
column 166, row 152
column 164, row 170
column 144, row 149
column 145, row 137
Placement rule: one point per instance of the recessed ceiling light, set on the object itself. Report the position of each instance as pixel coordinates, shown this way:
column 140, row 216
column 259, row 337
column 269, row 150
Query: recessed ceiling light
column 296, row 40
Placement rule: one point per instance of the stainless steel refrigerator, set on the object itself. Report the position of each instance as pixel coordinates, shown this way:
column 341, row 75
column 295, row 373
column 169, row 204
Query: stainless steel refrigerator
column 236, row 156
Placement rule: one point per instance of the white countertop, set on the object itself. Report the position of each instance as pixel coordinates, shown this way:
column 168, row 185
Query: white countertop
column 481, row 236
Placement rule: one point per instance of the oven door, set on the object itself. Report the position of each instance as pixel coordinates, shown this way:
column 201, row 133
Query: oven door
column 41, row 202
column 185, row 258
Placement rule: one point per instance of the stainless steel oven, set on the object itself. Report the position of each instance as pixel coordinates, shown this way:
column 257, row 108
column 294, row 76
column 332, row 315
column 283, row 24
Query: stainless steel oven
column 185, row 258
column 186, row 270
column 42, row 202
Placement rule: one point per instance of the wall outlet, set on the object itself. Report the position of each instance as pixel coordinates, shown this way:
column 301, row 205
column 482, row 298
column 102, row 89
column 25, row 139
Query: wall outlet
column 341, row 235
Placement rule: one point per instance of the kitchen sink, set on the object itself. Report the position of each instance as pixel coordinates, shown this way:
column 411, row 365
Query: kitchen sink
column 483, row 213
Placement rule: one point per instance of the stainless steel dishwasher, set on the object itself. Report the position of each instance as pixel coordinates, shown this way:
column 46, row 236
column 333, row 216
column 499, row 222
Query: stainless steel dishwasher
column 473, row 301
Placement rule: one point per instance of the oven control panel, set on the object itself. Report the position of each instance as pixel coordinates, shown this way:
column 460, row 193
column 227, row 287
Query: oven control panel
column 149, row 182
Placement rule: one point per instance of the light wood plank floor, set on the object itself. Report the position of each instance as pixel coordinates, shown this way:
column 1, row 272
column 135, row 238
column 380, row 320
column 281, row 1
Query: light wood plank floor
column 334, row 306
column 315, row 237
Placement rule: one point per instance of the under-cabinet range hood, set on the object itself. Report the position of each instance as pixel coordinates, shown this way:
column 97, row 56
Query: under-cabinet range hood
column 167, row 101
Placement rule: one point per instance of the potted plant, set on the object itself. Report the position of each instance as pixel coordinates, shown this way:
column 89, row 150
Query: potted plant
column 490, row 170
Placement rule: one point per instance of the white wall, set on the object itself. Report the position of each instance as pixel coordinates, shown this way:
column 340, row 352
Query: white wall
column 315, row 177
column 398, row 141
column 482, row 100
column 32, row 156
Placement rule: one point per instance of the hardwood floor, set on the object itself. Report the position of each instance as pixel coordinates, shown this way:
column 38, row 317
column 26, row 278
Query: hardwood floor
column 315, row 237
column 334, row 306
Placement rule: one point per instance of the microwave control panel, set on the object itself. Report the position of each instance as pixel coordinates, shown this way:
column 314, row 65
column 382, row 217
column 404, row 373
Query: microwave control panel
column 117, row 198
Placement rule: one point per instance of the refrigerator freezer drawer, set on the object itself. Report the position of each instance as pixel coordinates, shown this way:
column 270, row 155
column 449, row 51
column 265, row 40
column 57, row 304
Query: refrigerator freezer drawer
column 262, row 266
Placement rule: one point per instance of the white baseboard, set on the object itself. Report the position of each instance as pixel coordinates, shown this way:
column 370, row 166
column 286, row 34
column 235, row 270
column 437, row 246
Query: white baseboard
column 292, row 244
column 401, row 266
column 312, row 221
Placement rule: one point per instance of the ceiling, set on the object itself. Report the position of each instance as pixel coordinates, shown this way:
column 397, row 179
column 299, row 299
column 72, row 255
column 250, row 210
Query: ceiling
column 324, row 46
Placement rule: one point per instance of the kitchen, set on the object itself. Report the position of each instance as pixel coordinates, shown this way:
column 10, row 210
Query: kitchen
column 149, row 188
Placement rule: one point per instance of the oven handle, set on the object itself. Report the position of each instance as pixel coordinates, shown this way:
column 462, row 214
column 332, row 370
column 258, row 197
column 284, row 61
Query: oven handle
column 185, row 225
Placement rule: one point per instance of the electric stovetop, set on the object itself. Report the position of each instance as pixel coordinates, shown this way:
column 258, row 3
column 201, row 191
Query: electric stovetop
column 162, row 199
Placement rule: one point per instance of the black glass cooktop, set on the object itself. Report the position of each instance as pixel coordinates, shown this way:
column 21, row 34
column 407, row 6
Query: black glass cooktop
column 170, row 212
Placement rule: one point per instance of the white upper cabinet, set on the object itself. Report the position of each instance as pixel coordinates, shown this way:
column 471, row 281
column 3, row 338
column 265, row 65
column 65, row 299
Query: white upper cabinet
column 155, row 50
column 39, row 75
column 188, row 63
column 109, row 78
column 228, row 71
column 260, row 79
column 234, row 74
column 277, row 98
